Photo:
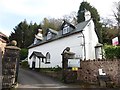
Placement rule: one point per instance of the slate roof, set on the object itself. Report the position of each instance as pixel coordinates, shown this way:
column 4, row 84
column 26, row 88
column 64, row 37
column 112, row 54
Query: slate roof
column 65, row 22
column 37, row 54
column 52, row 31
column 3, row 37
column 78, row 28
column 1, row 34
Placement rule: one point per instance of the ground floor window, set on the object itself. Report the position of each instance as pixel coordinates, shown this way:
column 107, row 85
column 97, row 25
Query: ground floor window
column 47, row 58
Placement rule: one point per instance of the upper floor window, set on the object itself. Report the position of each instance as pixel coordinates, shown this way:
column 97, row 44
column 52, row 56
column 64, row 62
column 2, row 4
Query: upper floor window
column 66, row 29
column 49, row 35
column 47, row 57
column 35, row 41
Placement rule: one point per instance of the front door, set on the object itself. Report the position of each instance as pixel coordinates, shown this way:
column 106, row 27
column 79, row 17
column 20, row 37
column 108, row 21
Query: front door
column 33, row 65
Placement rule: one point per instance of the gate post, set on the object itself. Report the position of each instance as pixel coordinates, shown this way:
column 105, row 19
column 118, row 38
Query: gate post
column 10, row 65
column 66, row 54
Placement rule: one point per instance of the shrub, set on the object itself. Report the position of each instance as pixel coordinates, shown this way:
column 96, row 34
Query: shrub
column 112, row 52
column 23, row 53
column 24, row 64
column 56, row 69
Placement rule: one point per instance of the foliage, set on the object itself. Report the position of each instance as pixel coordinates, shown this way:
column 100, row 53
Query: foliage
column 108, row 34
column 23, row 53
column 24, row 33
column 87, row 6
column 117, row 17
column 56, row 69
column 51, row 23
column 24, row 64
column 108, row 31
column 117, row 13
column 112, row 52
column 94, row 14
column 71, row 18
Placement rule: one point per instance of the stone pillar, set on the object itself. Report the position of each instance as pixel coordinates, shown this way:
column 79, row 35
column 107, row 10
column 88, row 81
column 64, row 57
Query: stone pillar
column 65, row 56
column 10, row 66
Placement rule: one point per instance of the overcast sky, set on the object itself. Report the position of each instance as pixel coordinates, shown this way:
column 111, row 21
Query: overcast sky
column 12, row 12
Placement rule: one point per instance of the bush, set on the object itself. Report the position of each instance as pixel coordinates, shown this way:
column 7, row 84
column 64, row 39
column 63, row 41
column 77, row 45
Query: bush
column 112, row 52
column 23, row 53
column 24, row 64
column 56, row 69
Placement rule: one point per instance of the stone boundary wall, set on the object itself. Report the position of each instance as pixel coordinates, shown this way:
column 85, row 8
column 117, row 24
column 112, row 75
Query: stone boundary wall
column 88, row 71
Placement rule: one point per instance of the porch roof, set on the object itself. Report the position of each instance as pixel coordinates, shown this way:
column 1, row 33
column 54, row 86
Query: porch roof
column 37, row 54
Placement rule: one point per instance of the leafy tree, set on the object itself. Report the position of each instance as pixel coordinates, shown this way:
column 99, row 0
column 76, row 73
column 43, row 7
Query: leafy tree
column 51, row 23
column 23, row 53
column 108, row 34
column 117, row 17
column 94, row 14
column 108, row 30
column 24, row 33
column 70, row 17
column 117, row 13
column 19, row 33
column 33, row 29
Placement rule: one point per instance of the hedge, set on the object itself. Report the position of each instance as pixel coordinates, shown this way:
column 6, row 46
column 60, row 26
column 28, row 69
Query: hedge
column 112, row 52
column 24, row 64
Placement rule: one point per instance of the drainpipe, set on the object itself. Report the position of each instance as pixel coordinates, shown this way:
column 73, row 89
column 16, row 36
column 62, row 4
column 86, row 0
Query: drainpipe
column 84, row 45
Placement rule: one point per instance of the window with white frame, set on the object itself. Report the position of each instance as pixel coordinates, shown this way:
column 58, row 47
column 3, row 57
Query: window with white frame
column 66, row 29
column 49, row 35
column 47, row 57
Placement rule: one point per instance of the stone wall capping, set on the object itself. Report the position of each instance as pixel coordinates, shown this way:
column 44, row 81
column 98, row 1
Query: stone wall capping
column 12, row 47
column 96, row 60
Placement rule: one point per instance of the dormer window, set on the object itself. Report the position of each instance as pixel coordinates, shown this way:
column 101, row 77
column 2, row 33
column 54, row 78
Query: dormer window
column 66, row 29
column 49, row 35
column 35, row 41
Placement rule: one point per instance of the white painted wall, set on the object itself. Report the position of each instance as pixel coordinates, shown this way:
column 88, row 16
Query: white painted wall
column 75, row 42
column 55, row 48
column 91, row 40
column 98, row 51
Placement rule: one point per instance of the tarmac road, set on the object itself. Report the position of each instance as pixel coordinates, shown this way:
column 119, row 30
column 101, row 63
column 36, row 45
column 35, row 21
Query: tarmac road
column 28, row 79
column 32, row 80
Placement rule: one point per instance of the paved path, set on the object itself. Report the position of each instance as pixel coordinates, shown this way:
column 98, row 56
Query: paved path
column 31, row 79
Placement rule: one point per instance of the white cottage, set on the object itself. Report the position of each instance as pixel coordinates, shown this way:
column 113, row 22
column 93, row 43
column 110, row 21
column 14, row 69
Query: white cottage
column 82, row 39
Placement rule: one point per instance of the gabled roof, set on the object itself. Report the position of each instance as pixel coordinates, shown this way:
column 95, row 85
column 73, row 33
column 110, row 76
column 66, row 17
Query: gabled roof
column 1, row 34
column 37, row 54
column 78, row 28
column 52, row 31
column 82, row 25
column 65, row 22
column 3, row 37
